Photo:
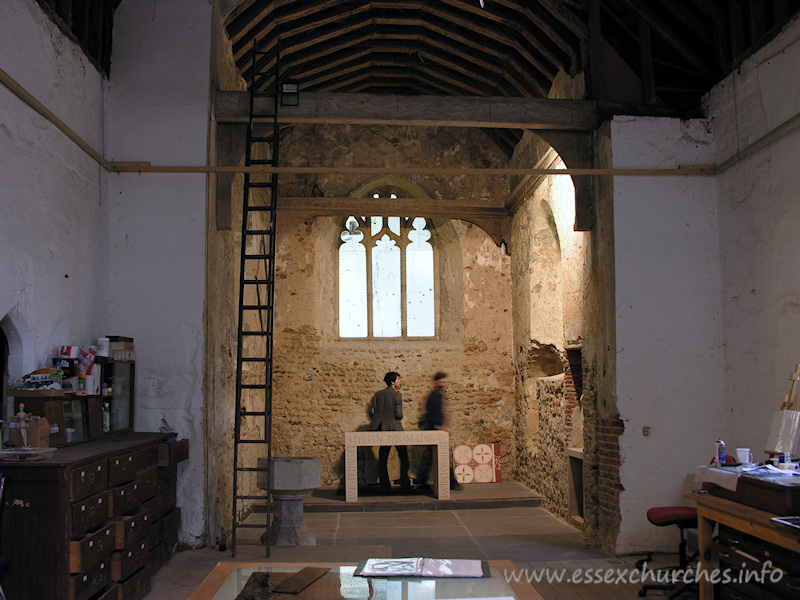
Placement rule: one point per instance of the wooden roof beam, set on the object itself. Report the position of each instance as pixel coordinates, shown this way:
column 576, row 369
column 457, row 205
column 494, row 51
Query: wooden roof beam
column 562, row 12
column 496, row 86
column 395, row 28
column 491, row 112
column 484, row 17
column 672, row 37
column 537, row 14
column 428, row 207
column 367, row 81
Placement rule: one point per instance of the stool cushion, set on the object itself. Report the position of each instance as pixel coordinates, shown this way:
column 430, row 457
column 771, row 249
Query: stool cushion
column 682, row 516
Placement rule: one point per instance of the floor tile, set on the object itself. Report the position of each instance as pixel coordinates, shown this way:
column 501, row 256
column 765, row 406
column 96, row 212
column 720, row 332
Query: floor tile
column 528, row 536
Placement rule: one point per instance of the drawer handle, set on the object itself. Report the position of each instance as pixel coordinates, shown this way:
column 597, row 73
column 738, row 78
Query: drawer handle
column 724, row 554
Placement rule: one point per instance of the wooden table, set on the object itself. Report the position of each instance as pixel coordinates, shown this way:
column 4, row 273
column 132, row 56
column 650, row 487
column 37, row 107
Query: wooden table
column 755, row 522
column 233, row 575
column 441, row 456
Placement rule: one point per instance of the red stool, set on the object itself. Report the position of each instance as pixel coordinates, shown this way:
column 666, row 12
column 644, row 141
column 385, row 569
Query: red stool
column 684, row 517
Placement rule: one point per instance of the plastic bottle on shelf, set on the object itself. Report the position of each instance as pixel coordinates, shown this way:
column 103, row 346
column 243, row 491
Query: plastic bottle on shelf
column 106, row 417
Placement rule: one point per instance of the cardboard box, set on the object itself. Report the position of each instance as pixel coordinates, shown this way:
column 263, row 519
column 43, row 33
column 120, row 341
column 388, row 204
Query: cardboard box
column 36, row 428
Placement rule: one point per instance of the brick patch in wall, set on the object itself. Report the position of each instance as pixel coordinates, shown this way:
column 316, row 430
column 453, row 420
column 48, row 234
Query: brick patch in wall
column 608, row 465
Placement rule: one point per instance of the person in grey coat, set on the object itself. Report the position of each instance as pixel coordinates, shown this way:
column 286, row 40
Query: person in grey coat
column 385, row 412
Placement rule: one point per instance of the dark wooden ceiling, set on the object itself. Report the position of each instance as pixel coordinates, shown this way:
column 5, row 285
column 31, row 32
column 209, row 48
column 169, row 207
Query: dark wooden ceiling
column 666, row 53
column 678, row 49
column 88, row 23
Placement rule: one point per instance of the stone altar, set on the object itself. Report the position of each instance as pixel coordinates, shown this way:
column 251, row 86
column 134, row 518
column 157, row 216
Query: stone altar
column 441, row 458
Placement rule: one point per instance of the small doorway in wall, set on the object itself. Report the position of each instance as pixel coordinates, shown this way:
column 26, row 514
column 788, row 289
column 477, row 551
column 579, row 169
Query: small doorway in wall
column 3, row 368
column 575, row 360
column 575, row 446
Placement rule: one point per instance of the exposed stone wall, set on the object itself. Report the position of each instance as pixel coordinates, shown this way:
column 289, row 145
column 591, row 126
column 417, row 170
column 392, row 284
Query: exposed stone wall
column 322, row 384
column 542, row 442
column 549, row 267
column 393, row 147
column 220, row 380
column 602, row 517
column 548, row 422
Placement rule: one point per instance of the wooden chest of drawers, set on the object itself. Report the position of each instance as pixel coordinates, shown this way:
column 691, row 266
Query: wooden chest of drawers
column 95, row 521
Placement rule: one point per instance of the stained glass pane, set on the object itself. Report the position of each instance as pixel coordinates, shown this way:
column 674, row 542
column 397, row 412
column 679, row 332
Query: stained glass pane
column 386, row 304
column 420, row 308
column 352, row 283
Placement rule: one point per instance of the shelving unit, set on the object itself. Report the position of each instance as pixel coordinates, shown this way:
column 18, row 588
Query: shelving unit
column 78, row 416
column 98, row 517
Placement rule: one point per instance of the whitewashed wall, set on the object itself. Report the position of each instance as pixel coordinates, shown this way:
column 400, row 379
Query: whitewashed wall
column 53, row 228
column 157, row 110
column 759, row 225
column 668, row 319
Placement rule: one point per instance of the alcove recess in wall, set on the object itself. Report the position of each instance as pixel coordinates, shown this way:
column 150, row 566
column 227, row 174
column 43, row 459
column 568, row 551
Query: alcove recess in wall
column 544, row 361
column 575, row 443
column 3, row 367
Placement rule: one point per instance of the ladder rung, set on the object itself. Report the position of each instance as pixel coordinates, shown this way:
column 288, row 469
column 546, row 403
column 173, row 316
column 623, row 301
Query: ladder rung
column 260, row 161
column 256, row 306
column 253, row 386
column 252, row 525
column 257, row 281
column 260, row 139
column 252, row 441
column 254, row 359
column 255, row 333
column 262, row 470
column 251, row 498
column 258, row 208
column 251, row 413
column 257, row 256
column 258, row 232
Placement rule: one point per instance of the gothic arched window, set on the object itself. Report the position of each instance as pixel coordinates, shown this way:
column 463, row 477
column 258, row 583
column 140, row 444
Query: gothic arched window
column 386, row 278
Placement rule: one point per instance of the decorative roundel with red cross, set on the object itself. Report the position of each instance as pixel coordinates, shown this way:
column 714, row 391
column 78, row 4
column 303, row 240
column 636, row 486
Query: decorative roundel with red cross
column 476, row 464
